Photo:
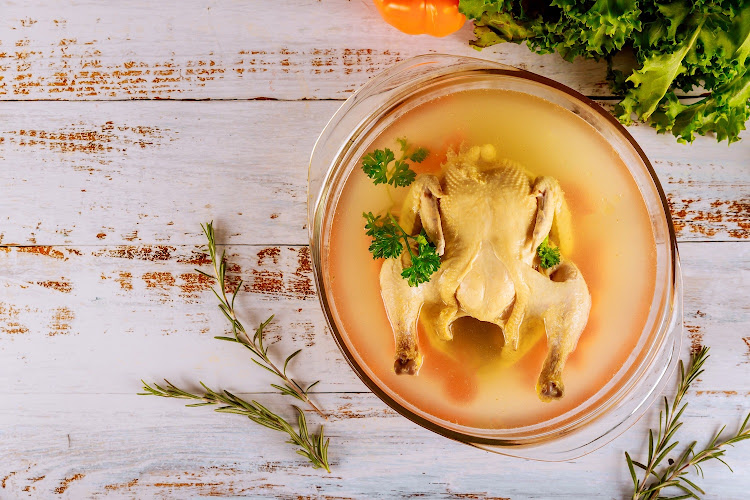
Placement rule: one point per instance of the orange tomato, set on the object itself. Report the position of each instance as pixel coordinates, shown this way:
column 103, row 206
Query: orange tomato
column 417, row 17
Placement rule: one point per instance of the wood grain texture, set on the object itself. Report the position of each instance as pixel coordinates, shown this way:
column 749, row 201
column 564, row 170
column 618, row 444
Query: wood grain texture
column 126, row 313
column 80, row 325
column 71, row 425
column 147, row 172
column 294, row 49
column 99, row 238
column 151, row 448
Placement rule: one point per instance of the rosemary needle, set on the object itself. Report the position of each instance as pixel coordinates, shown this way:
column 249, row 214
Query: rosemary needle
column 661, row 444
column 314, row 447
column 255, row 344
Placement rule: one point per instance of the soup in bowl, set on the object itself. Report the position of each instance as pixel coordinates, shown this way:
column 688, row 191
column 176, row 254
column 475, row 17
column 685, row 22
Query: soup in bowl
column 495, row 257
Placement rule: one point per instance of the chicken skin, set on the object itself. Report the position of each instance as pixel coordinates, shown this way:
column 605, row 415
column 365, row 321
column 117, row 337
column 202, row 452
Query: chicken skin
column 487, row 217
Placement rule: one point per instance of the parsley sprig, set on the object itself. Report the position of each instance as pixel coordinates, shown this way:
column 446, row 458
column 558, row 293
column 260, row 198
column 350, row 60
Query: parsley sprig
column 388, row 238
column 376, row 164
column 548, row 255
column 389, row 241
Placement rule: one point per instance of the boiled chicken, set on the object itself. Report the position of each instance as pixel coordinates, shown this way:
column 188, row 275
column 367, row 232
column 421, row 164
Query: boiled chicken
column 487, row 217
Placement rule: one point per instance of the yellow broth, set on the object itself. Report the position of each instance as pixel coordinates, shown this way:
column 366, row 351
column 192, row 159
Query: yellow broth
column 472, row 380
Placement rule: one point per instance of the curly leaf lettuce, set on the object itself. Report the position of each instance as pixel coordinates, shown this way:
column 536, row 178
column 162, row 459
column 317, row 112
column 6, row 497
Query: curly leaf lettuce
column 653, row 80
column 570, row 27
column 501, row 27
column 723, row 113
column 690, row 46
column 605, row 26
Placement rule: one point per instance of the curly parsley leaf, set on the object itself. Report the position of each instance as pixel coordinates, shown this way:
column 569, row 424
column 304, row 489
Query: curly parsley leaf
column 376, row 164
column 389, row 241
column 386, row 236
column 402, row 175
column 548, row 255
column 424, row 263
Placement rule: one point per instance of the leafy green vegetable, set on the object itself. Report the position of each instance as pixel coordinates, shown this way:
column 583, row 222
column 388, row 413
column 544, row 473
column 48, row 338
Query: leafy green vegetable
column 389, row 241
column 651, row 82
column 388, row 237
column 680, row 45
column 375, row 165
column 548, row 255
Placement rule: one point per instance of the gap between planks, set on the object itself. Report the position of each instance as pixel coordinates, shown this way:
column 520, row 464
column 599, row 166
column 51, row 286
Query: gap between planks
column 63, row 49
column 272, row 99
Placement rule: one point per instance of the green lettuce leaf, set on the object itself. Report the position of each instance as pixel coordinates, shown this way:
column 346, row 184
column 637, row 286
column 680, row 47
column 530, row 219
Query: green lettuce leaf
column 602, row 27
column 723, row 113
column 652, row 82
column 682, row 45
column 475, row 9
column 498, row 28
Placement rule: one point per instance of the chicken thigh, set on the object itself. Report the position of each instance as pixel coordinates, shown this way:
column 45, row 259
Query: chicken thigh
column 487, row 217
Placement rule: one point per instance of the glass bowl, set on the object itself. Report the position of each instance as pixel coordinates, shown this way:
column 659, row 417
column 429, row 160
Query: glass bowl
column 618, row 404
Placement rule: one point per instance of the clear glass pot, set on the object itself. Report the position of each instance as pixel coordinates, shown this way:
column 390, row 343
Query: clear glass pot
column 641, row 379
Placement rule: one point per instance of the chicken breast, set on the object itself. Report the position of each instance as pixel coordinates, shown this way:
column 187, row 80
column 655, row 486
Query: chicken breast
column 487, row 217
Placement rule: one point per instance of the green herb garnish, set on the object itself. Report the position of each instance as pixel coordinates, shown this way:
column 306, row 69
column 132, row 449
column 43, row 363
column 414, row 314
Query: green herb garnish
column 241, row 336
column 388, row 237
column 548, row 255
column 424, row 264
column 389, row 241
column 376, row 165
column 661, row 444
column 314, row 447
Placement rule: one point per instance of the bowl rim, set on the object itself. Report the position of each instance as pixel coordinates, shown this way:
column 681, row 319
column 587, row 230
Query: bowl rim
column 314, row 200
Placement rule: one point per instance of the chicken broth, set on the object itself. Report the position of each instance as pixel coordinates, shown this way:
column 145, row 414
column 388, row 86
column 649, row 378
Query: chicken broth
column 474, row 380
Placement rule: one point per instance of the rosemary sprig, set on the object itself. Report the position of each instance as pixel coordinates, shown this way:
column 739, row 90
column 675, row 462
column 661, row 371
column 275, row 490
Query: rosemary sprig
column 673, row 475
column 255, row 344
column 314, row 447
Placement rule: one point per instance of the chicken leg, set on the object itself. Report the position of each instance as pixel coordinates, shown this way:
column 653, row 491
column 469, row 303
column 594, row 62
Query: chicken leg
column 402, row 305
column 563, row 302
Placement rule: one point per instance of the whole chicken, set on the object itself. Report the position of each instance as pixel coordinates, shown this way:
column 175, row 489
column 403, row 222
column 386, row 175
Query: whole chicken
column 487, row 217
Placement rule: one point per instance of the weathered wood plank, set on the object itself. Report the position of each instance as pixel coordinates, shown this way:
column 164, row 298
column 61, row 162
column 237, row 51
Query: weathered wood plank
column 118, row 188
column 126, row 313
column 127, row 446
column 149, row 172
column 226, row 50
column 142, row 311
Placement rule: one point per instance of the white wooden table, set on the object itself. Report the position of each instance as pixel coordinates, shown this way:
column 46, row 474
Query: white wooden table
column 124, row 125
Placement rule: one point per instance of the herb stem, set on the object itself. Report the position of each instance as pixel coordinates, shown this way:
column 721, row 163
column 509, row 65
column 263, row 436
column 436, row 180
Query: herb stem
column 659, row 448
column 671, row 424
column 313, row 447
column 404, row 236
column 255, row 343
column 713, row 451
